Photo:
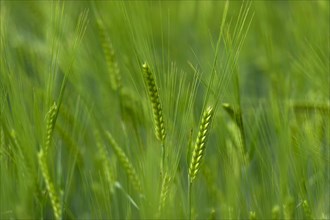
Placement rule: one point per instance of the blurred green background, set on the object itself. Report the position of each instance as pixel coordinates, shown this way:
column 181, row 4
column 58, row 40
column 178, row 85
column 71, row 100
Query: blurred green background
column 272, row 67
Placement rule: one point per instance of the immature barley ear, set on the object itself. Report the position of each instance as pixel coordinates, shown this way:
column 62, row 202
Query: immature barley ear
column 105, row 162
column 155, row 102
column 199, row 149
column 110, row 57
column 50, row 126
column 236, row 116
column 125, row 162
column 164, row 192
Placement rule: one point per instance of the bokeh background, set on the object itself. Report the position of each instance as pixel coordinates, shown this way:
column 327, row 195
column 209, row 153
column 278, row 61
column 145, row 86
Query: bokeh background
column 272, row 68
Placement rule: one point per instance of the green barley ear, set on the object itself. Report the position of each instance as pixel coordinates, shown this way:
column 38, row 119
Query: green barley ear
column 236, row 116
column 155, row 101
column 49, row 186
column 164, row 192
column 50, row 126
column 105, row 163
column 110, row 56
column 200, row 144
column 236, row 142
column 128, row 167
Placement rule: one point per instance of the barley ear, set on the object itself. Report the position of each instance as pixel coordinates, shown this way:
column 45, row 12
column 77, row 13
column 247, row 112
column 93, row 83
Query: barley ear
column 105, row 163
column 164, row 192
column 110, row 57
column 200, row 144
column 155, row 102
column 50, row 126
column 236, row 116
column 125, row 162
column 49, row 185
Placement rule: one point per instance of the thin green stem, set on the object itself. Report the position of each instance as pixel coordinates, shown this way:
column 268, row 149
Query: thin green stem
column 189, row 198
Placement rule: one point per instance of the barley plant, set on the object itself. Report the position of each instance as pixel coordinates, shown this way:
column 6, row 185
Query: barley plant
column 164, row 109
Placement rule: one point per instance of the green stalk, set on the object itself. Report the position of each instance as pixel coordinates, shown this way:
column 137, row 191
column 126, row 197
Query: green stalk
column 189, row 198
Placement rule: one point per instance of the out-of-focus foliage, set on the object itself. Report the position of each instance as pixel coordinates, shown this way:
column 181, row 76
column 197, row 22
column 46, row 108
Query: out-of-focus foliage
column 263, row 65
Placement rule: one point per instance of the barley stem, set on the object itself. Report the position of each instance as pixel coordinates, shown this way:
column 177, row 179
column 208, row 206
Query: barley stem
column 56, row 205
column 189, row 199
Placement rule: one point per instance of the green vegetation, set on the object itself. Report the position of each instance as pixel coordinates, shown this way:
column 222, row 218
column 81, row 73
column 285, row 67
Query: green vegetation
column 164, row 110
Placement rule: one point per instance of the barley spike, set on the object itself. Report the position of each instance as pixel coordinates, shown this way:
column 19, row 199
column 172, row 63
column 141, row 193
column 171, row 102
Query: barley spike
column 125, row 162
column 200, row 144
column 110, row 56
column 50, row 126
column 155, row 101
